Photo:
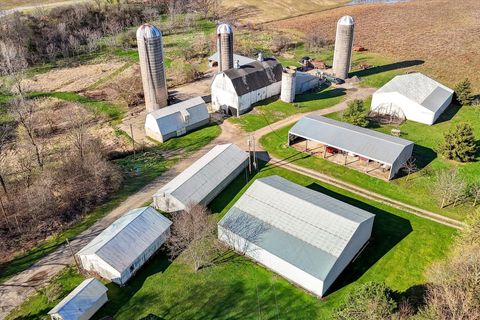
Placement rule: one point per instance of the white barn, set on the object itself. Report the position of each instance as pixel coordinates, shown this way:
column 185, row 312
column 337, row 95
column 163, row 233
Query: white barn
column 122, row 248
column 177, row 119
column 82, row 302
column 234, row 91
column 203, row 180
column 242, row 60
column 414, row 97
column 303, row 235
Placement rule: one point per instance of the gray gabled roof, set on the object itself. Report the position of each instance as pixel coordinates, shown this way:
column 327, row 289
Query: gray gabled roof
column 242, row 60
column 128, row 237
column 367, row 143
column 80, row 299
column 420, row 89
column 254, row 76
column 173, row 118
column 306, row 228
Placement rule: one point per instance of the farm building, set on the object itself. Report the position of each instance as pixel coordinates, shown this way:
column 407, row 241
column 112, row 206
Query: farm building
column 306, row 82
column 203, row 180
column 177, row 119
column 122, row 248
column 82, row 302
column 303, row 235
column 414, row 97
column 378, row 154
column 234, row 91
column 242, row 60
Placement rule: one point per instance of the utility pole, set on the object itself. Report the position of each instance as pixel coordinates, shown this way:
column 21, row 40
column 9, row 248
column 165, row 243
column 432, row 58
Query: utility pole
column 254, row 154
column 73, row 255
column 133, row 139
column 249, row 156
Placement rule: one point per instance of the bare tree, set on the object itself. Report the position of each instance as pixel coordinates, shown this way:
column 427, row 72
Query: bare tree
column 208, row 8
column 193, row 234
column 79, row 131
column 474, row 191
column 316, row 41
column 449, row 187
column 410, row 166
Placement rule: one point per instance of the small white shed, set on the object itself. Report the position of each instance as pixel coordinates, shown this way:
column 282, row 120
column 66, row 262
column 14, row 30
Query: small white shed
column 122, row 248
column 177, row 119
column 82, row 302
column 303, row 235
column 203, row 180
column 413, row 97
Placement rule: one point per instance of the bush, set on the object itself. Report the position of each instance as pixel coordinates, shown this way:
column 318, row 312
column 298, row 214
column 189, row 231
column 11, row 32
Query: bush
column 371, row 301
column 460, row 144
column 356, row 113
column 463, row 92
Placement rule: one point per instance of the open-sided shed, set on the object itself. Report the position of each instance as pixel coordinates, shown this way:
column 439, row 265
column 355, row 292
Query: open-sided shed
column 203, row 180
column 303, row 235
column 122, row 248
column 354, row 144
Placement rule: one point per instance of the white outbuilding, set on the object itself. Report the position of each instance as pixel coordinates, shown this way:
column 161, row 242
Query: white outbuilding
column 122, row 248
column 234, row 91
column 303, row 235
column 413, row 97
column 242, row 60
column 82, row 302
column 203, row 180
column 177, row 119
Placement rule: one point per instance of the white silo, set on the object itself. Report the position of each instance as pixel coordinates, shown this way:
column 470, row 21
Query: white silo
column 287, row 93
column 152, row 68
column 342, row 58
column 225, row 47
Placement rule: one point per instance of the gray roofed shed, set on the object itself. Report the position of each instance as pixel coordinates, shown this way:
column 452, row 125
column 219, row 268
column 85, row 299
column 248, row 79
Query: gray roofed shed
column 242, row 60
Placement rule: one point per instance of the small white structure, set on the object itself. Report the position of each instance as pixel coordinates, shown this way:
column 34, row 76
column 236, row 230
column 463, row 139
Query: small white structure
column 234, row 91
column 177, row 119
column 203, row 180
column 303, row 235
column 82, row 302
column 122, row 248
column 414, row 97
column 242, row 60
column 305, row 82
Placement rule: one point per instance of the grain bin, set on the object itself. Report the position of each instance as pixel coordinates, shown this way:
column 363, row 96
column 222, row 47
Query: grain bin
column 288, row 85
column 150, row 51
column 225, row 47
column 342, row 58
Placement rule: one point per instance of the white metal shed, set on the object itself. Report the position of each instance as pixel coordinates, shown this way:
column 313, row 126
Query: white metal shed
column 122, row 248
column 303, row 235
column 203, row 180
column 414, row 97
column 177, row 119
column 82, row 302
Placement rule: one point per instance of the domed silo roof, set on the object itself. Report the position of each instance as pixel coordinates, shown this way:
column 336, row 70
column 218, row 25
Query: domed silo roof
column 346, row 21
column 224, row 28
column 147, row 31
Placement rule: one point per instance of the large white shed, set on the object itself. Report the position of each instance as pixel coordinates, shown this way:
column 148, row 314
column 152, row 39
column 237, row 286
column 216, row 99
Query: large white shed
column 304, row 235
column 122, row 248
column 203, row 180
column 177, row 119
column 234, row 91
column 82, row 302
column 414, row 97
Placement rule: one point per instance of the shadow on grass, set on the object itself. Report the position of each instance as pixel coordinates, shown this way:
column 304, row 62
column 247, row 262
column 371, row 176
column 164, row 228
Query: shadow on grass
column 322, row 94
column 387, row 67
column 388, row 231
column 448, row 114
column 423, row 155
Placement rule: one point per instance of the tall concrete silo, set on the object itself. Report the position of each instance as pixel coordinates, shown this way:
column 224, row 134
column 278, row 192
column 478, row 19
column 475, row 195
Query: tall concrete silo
column 342, row 58
column 287, row 93
column 225, row 47
column 150, row 50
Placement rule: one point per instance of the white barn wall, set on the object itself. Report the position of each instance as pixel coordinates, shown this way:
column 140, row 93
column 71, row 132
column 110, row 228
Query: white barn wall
column 412, row 110
column 272, row 262
column 93, row 263
column 404, row 156
column 442, row 109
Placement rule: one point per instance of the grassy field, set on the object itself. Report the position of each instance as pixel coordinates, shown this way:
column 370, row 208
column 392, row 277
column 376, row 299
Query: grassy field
column 9, row 4
column 417, row 190
column 401, row 248
column 138, row 171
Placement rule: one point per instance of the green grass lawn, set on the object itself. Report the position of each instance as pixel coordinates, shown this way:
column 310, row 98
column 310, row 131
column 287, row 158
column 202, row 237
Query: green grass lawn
column 401, row 248
column 138, row 171
column 418, row 190
column 273, row 110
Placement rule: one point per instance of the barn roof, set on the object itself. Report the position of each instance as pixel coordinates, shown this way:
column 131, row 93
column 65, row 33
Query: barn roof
column 172, row 118
column 255, row 75
column 80, row 299
column 367, row 143
column 420, row 89
column 306, row 228
column 128, row 237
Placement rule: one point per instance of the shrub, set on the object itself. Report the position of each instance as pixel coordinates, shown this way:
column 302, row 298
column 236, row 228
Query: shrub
column 463, row 92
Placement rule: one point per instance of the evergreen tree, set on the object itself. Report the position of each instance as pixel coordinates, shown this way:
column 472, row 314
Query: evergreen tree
column 460, row 144
column 463, row 92
column 356, row 113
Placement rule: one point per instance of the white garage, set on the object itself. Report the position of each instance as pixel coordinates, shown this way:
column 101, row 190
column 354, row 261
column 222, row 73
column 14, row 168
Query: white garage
column 303, row 235
column 122, row 248
column 203, row 180
column 413, row 97
column 82, row 302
